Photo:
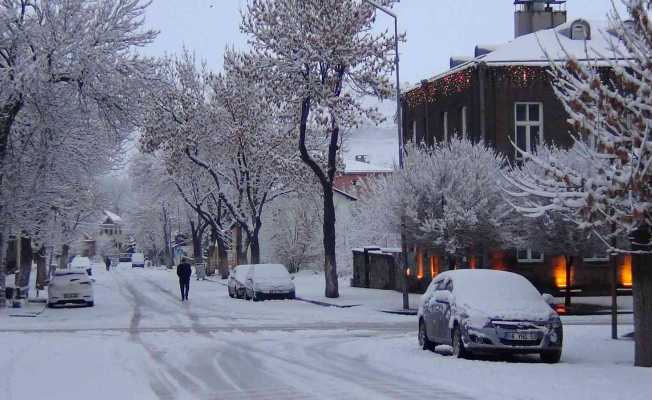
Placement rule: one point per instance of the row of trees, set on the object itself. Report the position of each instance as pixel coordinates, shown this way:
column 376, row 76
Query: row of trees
column 71, row 93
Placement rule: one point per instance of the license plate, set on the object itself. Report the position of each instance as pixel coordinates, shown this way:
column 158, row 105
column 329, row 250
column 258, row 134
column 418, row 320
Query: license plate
column 70, row 295
column 522, row 335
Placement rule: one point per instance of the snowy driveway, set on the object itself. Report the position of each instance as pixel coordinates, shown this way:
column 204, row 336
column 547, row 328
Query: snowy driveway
column 140, row 342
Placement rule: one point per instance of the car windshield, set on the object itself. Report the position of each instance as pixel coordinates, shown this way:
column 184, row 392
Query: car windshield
column 275, row 271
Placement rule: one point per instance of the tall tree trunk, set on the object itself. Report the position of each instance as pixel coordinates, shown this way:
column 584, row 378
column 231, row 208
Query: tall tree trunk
column 240, row 254
column 63, row 261
column 4, row 240
column 196, row 242
column 222, row 259
column 254, row 246
column 330, row 259
column 41, row 268
column 25, row 267
column 642, row 290
column 567, row 293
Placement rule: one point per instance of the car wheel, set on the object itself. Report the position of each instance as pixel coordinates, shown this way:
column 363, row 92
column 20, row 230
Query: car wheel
column 292, row 296
column 257, row 296
column 90, row 304
column 458, row 346
column 551, row 357
column 246, row 295
column 424, row 342
column 50, row 305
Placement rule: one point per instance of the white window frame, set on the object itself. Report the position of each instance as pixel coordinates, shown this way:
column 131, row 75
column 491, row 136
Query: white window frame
column 597, row 257
column 445, row 125
column 529, row 258
column 528, row 125
column 414, row 130
column 465, row 126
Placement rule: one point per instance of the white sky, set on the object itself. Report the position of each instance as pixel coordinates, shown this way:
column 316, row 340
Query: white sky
column 436, row 29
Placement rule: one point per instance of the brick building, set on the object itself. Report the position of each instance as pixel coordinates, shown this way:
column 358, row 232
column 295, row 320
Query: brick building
column 503, row 95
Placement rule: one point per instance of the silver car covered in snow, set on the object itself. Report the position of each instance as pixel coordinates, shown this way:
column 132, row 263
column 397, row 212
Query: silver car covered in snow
column 486, row 311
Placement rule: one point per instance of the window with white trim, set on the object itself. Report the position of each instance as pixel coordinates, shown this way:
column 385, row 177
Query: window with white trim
column 444, row 126
column 597, row 256
column 463, row 121
column 528, row 126
column 529, row 256
column 414, row 130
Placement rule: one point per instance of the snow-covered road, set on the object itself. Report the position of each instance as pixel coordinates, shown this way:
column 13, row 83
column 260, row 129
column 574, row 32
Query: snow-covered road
column 141, row 342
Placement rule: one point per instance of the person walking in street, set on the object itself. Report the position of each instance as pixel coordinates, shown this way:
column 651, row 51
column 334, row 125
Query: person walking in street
column 183, row 272
column 107, row 262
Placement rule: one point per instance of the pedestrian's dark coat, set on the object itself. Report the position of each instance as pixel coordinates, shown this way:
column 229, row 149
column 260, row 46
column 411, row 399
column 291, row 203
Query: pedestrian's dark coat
column 184, row 271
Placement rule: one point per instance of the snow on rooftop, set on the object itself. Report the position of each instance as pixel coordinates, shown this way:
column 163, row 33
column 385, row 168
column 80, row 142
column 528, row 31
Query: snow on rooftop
column 114, row 217
column 557, row 42
column 379, row 144
column 531, row 49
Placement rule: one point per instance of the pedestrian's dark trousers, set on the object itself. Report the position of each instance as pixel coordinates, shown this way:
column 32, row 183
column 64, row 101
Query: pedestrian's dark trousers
column 184, row 284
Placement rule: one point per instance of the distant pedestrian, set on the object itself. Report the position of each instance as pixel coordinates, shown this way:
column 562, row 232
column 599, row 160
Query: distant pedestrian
column 183, row 272
column 107, row 262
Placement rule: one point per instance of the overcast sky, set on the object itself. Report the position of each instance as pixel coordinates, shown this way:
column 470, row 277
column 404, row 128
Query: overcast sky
column 436, row 29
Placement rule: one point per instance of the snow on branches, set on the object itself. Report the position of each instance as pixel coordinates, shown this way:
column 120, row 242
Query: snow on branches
column 448, row 197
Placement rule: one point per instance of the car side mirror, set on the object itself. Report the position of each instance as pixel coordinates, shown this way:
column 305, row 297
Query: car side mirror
column 443, row 296
column 548, row 299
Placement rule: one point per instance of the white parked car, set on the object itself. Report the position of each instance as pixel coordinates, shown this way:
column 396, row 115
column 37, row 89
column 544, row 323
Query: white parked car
column 236, row 282
column 269, row 281
column 70, row 287
column 80, row 263
column 486, row 311
column 124, row 261
column 138, row 260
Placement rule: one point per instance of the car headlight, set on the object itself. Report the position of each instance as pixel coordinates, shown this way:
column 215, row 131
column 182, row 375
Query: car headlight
column 555, row 322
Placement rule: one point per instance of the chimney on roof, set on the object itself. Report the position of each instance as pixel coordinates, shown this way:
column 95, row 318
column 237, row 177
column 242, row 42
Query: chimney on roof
column 535, row 15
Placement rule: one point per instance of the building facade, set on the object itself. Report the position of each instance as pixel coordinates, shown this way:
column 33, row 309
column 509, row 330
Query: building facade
column 504, row 96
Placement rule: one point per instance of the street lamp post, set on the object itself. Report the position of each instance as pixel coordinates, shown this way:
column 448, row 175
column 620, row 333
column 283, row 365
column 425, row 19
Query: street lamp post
column 401, row 144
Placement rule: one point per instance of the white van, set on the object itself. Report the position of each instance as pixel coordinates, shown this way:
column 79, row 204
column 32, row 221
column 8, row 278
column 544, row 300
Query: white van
column 138, row 260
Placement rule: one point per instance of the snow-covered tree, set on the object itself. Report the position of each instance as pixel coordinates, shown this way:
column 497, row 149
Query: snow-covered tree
column 316, row 57
column 555, row 232
column 610, row 111
column 66, row 69
column 228, row 128
column 448, row 198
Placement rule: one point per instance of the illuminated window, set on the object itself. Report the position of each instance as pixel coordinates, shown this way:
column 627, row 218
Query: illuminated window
column 528, row 126
column 529, row 256
column 434, row 266
column 419, row 263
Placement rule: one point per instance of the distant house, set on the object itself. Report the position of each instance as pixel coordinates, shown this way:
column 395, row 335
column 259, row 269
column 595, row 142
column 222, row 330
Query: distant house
column 503, row 94
column 110, row 233
column 356, row 171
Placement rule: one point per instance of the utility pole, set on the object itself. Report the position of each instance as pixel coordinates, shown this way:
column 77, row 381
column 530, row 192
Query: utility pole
column 401, row 146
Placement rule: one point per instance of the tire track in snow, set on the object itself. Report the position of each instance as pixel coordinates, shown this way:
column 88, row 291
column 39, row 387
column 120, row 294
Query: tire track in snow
column 160, row 384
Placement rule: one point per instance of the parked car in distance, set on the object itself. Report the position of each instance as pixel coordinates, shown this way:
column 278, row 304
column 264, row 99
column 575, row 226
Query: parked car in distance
column 138, row 260
column 70, row 287
column 487, row 311
column 83, row 264
column 124, row 261
column 269, row 281
column 236, row 282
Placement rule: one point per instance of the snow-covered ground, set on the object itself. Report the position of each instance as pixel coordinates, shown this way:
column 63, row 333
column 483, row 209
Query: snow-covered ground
column 140, row 342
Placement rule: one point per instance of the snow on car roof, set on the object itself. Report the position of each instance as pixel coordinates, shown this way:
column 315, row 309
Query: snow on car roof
column 479, row 286
column 80, row 261
column 270, row 270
